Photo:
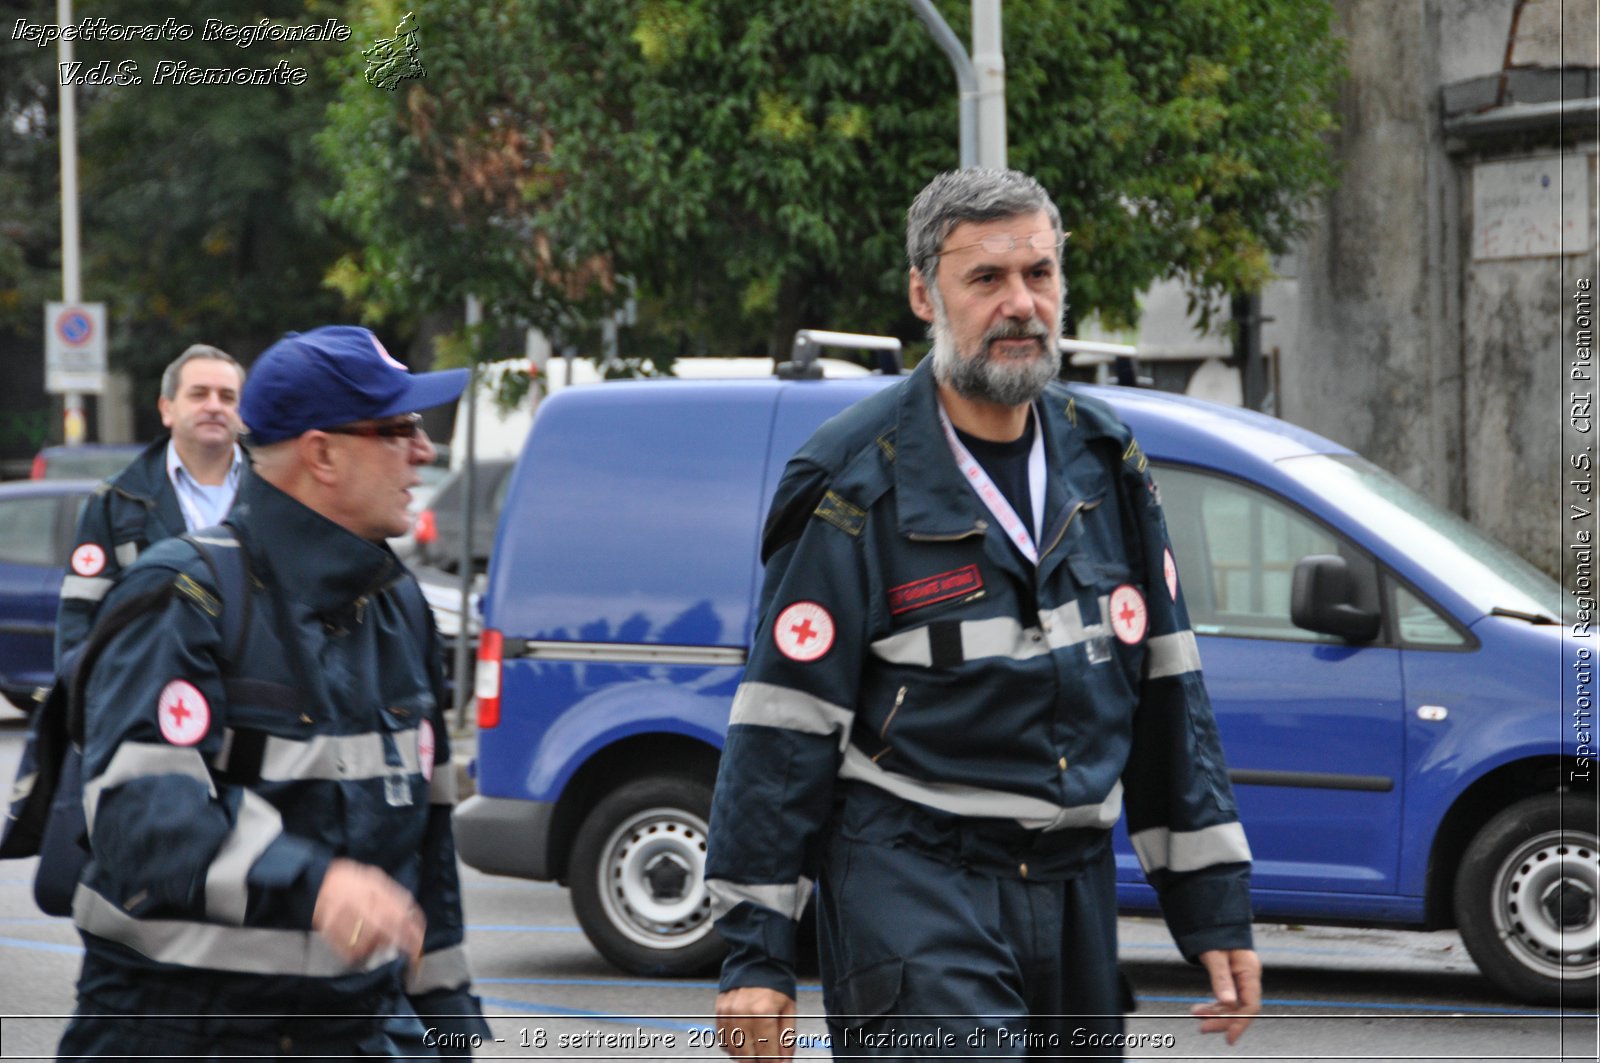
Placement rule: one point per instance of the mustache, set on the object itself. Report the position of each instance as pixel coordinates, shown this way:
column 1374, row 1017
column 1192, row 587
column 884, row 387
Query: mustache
column 1012, row 329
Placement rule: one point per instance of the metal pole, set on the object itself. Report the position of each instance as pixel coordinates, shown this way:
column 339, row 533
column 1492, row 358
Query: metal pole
column 966, row 77
column 464, row 656
column 72, row 417
column 990, row 62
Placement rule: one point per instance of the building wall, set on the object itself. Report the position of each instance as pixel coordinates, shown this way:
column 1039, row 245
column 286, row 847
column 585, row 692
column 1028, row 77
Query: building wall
column 1436, row 360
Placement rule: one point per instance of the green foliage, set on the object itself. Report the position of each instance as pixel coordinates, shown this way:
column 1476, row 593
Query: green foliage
column 748, row 165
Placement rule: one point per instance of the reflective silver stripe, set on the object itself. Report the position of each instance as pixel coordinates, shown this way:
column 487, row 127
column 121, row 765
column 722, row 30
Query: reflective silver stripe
column 906, row 647
column 126, row 553
column 1032, row 812
column 140, row 760
column 1191, row 850
column 334, row 757
column 246, row 950
column 788, row 899
column 632, row 653
column 769, row 705
column 1000, row 636
column 446, row 968
column 85, row 588
column 442, row 787
column 211, row 540
column 1172, row 655
column 1063, row 625
column 256, row 826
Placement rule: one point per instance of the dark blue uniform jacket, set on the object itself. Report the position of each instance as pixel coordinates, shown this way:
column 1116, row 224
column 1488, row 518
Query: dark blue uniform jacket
column 216, row 796
column 910, row 657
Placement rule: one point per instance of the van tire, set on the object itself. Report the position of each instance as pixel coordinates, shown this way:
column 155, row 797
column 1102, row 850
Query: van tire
column 638, row 878
column 1505, row 895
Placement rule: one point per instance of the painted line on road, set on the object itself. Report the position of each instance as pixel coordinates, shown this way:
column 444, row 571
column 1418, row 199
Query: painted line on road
column 617, row 983
column 531, row 1009
column 1442, row 1009
column 40, row 946
column 1286, row 950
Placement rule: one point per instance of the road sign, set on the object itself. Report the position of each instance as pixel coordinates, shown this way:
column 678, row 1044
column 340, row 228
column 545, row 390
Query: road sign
column 75, row 348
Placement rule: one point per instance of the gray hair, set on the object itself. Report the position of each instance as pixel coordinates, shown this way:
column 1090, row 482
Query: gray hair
column 169, row 376
column 978, row 194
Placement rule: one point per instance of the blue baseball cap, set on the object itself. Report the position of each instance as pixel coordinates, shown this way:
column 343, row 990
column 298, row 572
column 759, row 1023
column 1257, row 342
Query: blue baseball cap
column 332, row 376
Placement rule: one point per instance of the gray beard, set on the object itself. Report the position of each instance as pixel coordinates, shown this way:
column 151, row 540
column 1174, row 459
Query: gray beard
column 978, row 375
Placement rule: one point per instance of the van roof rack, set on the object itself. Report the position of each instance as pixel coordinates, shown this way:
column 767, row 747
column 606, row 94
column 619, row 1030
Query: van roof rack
column 802, row 363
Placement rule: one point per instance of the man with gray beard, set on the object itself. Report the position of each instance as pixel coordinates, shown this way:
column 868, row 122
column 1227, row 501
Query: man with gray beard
column 973, row 653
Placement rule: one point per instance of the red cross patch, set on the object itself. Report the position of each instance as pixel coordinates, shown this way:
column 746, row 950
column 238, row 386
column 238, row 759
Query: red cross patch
column 89, row 559
column 1169, row 568
column 803, row 631
column 425, row 749
column 183, row 713
column 1128, row 615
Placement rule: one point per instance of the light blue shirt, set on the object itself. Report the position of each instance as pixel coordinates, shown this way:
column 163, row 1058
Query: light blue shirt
column 203, row 504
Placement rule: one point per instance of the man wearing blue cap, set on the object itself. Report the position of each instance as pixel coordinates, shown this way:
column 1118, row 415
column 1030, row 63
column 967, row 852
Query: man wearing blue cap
column 273, row 871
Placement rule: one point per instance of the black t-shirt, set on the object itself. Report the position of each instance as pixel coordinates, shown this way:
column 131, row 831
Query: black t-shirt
column 1007, row 466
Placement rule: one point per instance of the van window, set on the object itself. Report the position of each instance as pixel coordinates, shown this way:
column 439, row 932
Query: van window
column 1236, row 548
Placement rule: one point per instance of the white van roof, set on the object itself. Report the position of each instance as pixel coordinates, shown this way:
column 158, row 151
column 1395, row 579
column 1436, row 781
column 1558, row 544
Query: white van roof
column 499, row 433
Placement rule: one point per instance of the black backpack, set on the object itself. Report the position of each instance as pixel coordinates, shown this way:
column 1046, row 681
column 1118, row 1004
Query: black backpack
column 46, row 814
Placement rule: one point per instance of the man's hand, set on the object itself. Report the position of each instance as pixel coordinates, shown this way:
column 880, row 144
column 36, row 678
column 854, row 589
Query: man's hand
column 1236, row 984
column 751, row 1023
column 361, row 910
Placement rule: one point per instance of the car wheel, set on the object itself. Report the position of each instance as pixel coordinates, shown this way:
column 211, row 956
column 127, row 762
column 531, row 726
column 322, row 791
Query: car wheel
column 1527, row 897
column 638, row 878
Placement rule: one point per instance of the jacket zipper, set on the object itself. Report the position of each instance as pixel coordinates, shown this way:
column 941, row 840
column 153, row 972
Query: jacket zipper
column 1072, row 515
column 883, row 732
column 927, row 537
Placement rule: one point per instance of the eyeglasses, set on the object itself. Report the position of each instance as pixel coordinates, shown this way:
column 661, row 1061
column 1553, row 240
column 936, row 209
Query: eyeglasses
column 1005, row 243
column 405, row 428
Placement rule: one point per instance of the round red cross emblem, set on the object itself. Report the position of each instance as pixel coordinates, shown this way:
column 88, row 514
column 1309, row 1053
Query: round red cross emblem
column 89, row 559
column 425, row 749
column 803, row 631
column 1128, row 614
column 183, row 713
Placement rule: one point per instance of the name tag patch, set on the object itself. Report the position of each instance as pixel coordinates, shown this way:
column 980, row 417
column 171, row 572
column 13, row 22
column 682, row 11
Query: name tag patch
column 934, row 589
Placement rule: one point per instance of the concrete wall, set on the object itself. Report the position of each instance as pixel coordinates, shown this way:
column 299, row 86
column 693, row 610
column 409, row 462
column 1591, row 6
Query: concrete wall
column 1439, row 362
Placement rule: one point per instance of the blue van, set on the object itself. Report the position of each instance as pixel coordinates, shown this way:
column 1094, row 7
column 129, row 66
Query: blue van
column 1389, row 683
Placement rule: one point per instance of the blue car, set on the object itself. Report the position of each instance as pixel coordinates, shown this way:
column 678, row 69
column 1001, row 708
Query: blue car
column 1388, row 682
column 38, row 521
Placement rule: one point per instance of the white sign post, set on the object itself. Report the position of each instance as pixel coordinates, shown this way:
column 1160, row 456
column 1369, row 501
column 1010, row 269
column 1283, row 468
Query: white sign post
column 75, row 348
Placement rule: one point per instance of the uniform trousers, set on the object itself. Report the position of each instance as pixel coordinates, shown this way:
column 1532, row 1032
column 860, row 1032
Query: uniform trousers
column 924, row 956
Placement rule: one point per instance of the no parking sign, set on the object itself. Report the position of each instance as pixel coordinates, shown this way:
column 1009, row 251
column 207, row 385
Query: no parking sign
column 75, row 347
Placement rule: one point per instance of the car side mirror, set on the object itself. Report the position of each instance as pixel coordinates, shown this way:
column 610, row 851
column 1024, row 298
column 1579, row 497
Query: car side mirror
column 1323, row 600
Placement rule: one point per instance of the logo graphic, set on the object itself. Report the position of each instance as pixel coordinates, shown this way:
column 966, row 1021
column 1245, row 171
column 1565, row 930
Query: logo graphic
column 183, row 713
column 395, row 59
column 89, row 560
column 1128, row 615
column 803, row 632
column 931, row 589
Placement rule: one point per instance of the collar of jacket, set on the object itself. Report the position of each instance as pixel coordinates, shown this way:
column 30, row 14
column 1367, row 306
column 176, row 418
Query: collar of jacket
column 310, row 559
column 933, row 498
column 145, row 480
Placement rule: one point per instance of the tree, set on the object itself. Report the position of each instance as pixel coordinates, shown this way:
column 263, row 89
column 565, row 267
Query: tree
column 749, row 165
column 201, row 203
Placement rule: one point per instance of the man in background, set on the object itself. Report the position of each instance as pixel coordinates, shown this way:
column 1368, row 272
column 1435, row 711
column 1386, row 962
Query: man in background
column 183, row 481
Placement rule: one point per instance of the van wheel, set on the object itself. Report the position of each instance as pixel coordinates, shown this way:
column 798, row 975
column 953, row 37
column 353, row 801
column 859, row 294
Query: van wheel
column 638, row 878
column 1527, row 899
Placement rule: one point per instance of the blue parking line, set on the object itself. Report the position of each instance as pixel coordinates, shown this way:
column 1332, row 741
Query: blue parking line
column 40, row 946
column 1443, row 1009
column 519, row 1009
